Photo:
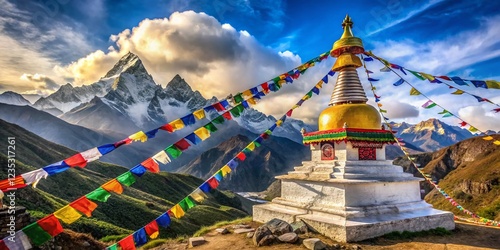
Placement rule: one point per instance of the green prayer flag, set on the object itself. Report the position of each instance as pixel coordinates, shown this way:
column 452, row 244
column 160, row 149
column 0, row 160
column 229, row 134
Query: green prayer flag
column 218, row 120
column 443, row 112
column 303, row 71
column 36, row 234
column 246, row 150
column 99, row 195
column 238, row 98
column 417, row 75
column 235, row 112
column 173, row 151
column 210, row 127
column 189, row 202
column 431, row 106
column 269, row 132
column 240, row 108
column 276, row 79
column 126, row 179
column 256, row 144
column 183, row 204
column 447, row 115
column 310, row 94
column 112, row 247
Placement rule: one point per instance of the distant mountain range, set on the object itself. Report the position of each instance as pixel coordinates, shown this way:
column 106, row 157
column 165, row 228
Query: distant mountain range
column 126, row 100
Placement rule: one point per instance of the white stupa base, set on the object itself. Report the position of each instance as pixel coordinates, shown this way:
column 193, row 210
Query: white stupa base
column 353, row 200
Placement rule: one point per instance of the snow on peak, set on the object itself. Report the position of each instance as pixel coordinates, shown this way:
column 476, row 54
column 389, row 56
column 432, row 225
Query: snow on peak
column 13, row 98
column 129, row 63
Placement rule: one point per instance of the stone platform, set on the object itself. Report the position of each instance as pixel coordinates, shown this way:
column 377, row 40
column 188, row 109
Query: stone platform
column 353, row 200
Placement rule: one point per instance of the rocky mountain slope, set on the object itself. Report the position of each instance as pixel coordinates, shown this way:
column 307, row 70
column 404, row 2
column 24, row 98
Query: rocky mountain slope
column 469, row 171
column 13, row 98
column 275, row 156
column 140, row 203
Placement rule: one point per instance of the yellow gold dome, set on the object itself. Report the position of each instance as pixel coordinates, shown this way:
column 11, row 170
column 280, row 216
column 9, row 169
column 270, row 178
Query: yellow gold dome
column 359, row 115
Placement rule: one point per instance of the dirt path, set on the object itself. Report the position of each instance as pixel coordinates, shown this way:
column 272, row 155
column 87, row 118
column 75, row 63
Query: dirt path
column 465, row 236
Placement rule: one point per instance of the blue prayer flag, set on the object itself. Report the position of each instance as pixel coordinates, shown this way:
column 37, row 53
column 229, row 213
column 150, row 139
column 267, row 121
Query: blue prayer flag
column 163, row 220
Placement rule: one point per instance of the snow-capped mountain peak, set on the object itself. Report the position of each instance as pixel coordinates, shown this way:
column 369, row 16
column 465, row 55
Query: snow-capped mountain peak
column 129, row 63
column 13, row 98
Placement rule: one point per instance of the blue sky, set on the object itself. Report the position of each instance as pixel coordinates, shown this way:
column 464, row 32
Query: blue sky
column 44, row 44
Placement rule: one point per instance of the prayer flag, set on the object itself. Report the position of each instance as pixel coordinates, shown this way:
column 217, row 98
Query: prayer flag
column 458, row 80
column 113, row 186
column 368, row 59
column 51, row 225
column 193, row 138
column 444, row 78
column 225, row 170
column 251, row 146
column 472, row 129
column 36, row 234
column 173, row 151
column 152, row 133
column 478, row 98
column 218, row 106
column 139, row 136
column 265, row 86
column 182, row 144
column 232, row 164
column 462, row 124
column 289, row 112
column 399, row 82
column 218, row 176
column 199, row 114
column 162, row 157
column 238, row 98
column 315, row 90
column 127, row 243
column 235, row 112
column 151, row 165
column 187, row 203
column 188, row 119
column 99, row 195
column 126, row 179
column 382, row 111
column 416, row 74
column 496, row 142
column 488, row 138
column 67, row 214
column 385, row 69
column 177, row 124
column 177, row 211
column 205, row 187
column 167, row 127
column 21, row 242
column 104, row 149
column 372, row 79
column 429, row 104
column 414, row 91
column 252, row 101
column 331, row 73
column 138, row 170
column 34, row 176
column 247, row 93
column 227, row 115
column 123, row 142
column 91, row 154
column 140, row 237
column 325, row 79
column 458, row 92
column 479, row 84
column 202, row 133
column 224, row 103
column 55, row 168
column 211, row 127
column 152, row 229
column 492, row 84
column 198, row 195
column 245, row 105
column 427, row 76
column 163, row 220
column 213, row 183
column 241, row 156
column 254, row 90
column 84, row 205
column 218, row 120
column 76, row 160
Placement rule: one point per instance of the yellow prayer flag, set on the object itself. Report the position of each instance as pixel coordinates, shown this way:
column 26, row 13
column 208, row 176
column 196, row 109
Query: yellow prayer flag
column 281, row 82
column 472, row 129
column 203, row 133
column 251, row 146
column 154, row 235
column 305, row 97
column 139, row 136
column 177, row 211
column 319, row 85
column 198, row 195
column 67, row 214
column 177, row 124
column 497, row 142
column 247, row 93
column 225, row 170
column 279, row 122
column 488, row 138
column 295, row 106
column 427, row 76
column 199, row 114
column 458, row 92
column 379, row 104
column 414, row 91
column 252, row 101
column 282, row 77
column 492, row 84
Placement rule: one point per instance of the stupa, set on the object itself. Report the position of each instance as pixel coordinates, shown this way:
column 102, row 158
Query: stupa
column 349, row 191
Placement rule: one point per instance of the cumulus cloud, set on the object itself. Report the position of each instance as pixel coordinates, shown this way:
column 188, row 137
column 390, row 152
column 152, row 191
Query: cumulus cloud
column 214, row 58
column 40, row 82
column 481, row 118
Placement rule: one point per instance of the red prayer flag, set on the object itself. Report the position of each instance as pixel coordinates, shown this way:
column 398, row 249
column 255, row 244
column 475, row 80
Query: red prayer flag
column 241, row 156
column 496, row 110
column 16, row 183
column 123, row 142
column 167, row 127
column 265, row 86
column 84, row 205
column 213, row 183
column 289, row 113
column 444, row 77
column 218, row 107
column 151, row 165
column 151, row 228
column 113, row 186
column 51, row 225
column 127, row 243
column 227, row 115
column 182, row 144
column 76, row 161
column 462, row 124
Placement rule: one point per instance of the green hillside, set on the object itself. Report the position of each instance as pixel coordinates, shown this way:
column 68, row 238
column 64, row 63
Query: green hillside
column 139, row 204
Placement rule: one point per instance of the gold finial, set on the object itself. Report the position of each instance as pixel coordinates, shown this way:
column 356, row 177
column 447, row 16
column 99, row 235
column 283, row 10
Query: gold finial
column 347, row 42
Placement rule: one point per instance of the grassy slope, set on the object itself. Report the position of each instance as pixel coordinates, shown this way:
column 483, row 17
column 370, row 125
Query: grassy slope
column 150, row 196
